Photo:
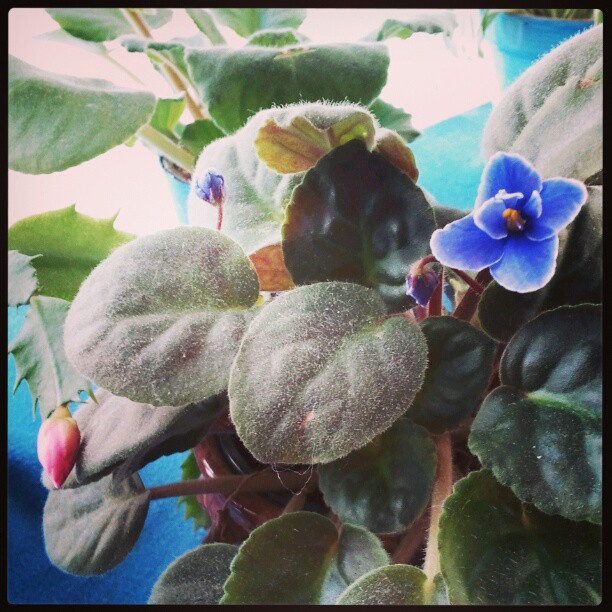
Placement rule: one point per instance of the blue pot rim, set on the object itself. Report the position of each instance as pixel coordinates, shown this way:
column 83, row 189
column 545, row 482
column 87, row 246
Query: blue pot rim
column 176, row 178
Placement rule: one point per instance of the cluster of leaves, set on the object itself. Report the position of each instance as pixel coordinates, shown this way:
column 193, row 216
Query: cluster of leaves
column 326, row 373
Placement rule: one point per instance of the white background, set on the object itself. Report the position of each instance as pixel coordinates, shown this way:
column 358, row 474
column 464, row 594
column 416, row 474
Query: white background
column 425, row 79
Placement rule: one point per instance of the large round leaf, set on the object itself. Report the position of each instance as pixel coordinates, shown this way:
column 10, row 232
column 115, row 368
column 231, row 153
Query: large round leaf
column 321, row 372
column 118, row 432
column 161, row 319
column 385, row 485
column 196, row 577
column 237, row 83
column 460, row 361
column 301, row 558
column 553, row 114
column 495, row 550
column 540, row 432
column 58, row 121
column 355, row 217
column 91, row 529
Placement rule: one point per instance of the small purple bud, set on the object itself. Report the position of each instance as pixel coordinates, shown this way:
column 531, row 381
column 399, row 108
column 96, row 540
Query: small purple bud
column 420, row 284
column 211, row 187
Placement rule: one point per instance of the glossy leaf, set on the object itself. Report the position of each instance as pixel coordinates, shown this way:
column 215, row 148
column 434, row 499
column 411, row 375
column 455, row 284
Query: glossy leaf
column 236, row 83
column 494, row 550
column 206, row 24
column 321, row 372
column 301, row 558
column 197, row 135
column 553, row 114
column 276, row 37
column 394, row 119
column 540, row 432
column 22, row 281
column 357, row 218
column 578, row 278
column 71, row 245
column 385, row 485
column 116, row 432
column 196, row 577
column 40, row 358
column 246, row 21
column 193, row 509
column 254, row 208
column 58, row 121
column 161, row 319
column 460, row 363
column 100, row 24
column 431, row 24
column 91, row 529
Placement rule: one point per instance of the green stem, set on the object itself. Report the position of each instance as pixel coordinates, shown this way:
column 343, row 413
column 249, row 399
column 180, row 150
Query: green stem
column 165, row 147
column 442, row 489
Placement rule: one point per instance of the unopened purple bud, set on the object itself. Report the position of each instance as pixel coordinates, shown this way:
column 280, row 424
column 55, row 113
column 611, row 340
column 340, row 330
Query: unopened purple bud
column 420, row 284
column 211, row 187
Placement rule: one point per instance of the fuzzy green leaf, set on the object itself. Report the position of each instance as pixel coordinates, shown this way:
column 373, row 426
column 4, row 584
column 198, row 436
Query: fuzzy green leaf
column 321, row 372
column 385, row 485
column 276, row 37
column 193, row 509
column 394, row 118
column 100, row 24
column 71, row 245
column 23, row 283
column 199, row 134
column 196, row 577
column 167, row 113
column 301, row 558
column 40, row 358
column 236, row 83
column 246, row 21
column 91, row 529
column 430, row 24
column 540, row 432
column 206, row 24
column 494, row 550
column 58, row 121
column 161, row 319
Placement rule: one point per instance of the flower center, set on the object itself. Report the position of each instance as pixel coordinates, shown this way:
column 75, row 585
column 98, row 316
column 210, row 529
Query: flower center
column 514, row 221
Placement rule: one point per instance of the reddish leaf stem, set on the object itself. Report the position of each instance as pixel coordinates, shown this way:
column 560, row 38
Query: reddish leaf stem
column 467, row 307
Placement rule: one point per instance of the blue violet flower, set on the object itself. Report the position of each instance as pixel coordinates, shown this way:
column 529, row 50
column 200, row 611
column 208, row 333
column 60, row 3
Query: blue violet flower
column 211, row 187
column 514, row 226
column 420, row 283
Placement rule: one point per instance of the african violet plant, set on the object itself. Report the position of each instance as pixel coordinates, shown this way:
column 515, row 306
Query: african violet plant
column 435, row 434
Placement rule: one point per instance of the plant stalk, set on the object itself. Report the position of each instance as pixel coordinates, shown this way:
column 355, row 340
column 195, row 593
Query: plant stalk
column 442, row 489
column 411, row 540
column 170, row 73
column 434, row 308
column 251, row 483
column 165, row 147
column 467, row 307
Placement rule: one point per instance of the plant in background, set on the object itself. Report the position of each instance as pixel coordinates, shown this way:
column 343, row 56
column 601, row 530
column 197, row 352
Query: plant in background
column 407, row 451
column 596, row 15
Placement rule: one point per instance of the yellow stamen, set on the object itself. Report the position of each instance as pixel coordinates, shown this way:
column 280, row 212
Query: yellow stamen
column 514, row 220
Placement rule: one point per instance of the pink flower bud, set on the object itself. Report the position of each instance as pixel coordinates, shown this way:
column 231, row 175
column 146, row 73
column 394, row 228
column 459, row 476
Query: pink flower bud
column 58, row 445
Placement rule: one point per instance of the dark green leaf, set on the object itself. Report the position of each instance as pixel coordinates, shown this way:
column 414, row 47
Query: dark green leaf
column 100, row 24
column 193, row 509
column 494, row 550
column 553, row 114
column 578, row 278
column 167, row 113
column 322, row 371
column 246, row 21
column 116, row 432
column 355, row 217
column 196, row 577
column 71, row 245
column 385, row 485
column 91, row 529
column 199, row 134
column 460, row 362
column 431, row 24
column 40, row 359
column 23, row 283
column 540, row 432
column 58, row 121
column 394, row 119
column 236, row 83
column 205, row 23
column 161, row 319
column 301, row 558
column 276, row 37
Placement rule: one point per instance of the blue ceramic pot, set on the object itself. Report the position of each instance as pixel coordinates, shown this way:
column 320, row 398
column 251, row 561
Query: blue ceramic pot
column 520, row 40
column 180, row 191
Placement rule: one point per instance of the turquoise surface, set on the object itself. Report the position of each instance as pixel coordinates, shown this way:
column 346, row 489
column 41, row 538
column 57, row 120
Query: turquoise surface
column 450, row 164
